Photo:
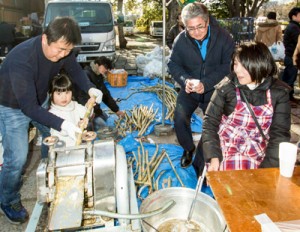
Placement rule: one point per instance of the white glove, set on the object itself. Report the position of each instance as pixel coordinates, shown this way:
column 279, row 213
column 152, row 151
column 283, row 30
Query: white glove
column 70, row 129
column 93, row 92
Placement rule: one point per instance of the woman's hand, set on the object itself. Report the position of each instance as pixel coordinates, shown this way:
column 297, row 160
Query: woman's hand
column 214, row 165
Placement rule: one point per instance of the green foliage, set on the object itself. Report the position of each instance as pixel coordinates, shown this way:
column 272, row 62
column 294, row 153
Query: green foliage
column 217, row 9
column 152, row 10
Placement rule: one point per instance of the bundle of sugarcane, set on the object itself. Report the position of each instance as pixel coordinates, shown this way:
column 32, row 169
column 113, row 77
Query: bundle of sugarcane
column 139, row 119
column 170, row 97
column 145, row 168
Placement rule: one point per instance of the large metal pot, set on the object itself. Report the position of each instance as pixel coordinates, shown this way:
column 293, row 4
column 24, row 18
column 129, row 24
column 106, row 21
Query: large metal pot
column 206, row 215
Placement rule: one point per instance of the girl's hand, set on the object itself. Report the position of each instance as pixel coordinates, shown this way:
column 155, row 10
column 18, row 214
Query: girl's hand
column 91, row 101
column 214, row 165
column 83, row 123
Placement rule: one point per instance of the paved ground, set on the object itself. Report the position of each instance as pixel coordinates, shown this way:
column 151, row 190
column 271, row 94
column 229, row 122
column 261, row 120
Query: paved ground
column 139, row 44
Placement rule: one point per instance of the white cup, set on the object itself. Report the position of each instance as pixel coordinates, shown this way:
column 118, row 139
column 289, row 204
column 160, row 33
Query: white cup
column 287, row 158
column 195, row 82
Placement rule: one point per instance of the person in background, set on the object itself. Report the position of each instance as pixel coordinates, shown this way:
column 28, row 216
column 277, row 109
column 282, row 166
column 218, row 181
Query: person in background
column 203, row 52
column 174, row 31
column 24, row 77
column 7, row 37
column 269, row 32
column 290, row 40
column 231, row 139
column 61, row 92
column 296, row 55
column 96, row 72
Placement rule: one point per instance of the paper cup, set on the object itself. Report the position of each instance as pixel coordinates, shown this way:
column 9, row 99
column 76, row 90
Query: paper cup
column 195, row 83
column 287, row 158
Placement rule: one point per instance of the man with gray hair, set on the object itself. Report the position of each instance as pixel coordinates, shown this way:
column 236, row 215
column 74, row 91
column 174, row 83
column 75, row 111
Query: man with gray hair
column 200, row 58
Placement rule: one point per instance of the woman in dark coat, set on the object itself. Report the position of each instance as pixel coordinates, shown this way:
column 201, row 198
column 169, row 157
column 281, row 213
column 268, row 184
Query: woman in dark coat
column 231, row 138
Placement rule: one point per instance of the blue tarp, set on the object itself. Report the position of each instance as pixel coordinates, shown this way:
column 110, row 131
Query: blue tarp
column 130, row 144
column 134, row 83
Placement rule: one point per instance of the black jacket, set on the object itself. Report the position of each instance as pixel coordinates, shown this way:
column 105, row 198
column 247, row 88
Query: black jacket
column 224, row 101
column 7, row 35
column 174, row 31
column 98, row 81
column 186, row 61
column 290, row 38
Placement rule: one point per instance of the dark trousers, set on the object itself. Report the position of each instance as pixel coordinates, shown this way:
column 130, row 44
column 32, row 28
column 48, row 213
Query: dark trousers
column 290, row 73
column 198, row 162
column 185, row 106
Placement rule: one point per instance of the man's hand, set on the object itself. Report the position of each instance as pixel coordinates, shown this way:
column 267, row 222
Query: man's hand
column 192, row 86
column 120, row 113
column 70, row 129
column 96, row 93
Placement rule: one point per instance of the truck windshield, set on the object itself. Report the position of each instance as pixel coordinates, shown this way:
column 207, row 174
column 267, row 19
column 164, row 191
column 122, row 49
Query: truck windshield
column 91, row 17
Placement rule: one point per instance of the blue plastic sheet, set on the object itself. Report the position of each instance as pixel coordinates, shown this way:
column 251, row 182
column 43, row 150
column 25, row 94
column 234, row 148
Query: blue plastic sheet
column 129, row 96
column 187, row 175
column 130, row 144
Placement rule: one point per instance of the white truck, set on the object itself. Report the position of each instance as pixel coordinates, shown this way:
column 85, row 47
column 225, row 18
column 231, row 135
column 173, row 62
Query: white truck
column 96, row 22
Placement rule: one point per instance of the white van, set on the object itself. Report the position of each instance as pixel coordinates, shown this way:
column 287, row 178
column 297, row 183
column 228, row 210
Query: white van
column 128, row 27
column 96, row 22
column 156, row 28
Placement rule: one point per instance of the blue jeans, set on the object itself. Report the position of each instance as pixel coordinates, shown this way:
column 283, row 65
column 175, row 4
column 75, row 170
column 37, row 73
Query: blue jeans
column 100, row 121
column 14, row 129
column 45, row 132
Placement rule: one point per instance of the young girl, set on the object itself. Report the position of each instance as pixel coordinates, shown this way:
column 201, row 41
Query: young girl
column 231, row 138
column 62, row 105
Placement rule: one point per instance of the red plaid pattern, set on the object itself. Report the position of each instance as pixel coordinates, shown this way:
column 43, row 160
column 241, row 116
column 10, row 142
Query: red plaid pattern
column 242, row 145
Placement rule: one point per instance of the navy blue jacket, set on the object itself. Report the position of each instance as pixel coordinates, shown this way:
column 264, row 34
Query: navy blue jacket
column 186, row 61
column 24, row 78
column 290, row 38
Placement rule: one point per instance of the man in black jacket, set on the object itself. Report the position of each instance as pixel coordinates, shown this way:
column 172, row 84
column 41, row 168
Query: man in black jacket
column 174, row 31
column 290, row 40
column 96, row 72
column 201, row 54
column 7, row 37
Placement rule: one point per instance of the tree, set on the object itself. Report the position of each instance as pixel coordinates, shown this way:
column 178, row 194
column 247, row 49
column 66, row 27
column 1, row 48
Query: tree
column 236, row 8
column 122, row 40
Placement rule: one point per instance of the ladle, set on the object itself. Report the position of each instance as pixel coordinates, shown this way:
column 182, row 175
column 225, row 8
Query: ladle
column 198, row 188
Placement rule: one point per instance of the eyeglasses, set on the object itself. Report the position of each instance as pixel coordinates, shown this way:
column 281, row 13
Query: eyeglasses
column 198, row 28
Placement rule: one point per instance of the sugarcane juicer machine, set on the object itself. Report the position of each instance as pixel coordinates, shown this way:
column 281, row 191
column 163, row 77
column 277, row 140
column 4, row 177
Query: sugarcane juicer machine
column 76, row 181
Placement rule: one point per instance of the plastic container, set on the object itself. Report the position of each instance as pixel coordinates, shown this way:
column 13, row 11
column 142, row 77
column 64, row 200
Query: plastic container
column 117, row 77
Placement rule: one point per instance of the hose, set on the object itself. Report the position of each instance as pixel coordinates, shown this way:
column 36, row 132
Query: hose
column 167, row 206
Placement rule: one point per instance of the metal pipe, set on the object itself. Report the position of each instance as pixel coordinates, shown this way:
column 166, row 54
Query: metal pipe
column 163, row 63
column 166, row 207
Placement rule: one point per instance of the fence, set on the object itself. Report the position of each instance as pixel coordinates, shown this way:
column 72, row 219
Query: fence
column 241, row 29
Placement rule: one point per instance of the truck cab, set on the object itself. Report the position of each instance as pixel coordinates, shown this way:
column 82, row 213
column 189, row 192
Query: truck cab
column 156, row 28
column 96, row 22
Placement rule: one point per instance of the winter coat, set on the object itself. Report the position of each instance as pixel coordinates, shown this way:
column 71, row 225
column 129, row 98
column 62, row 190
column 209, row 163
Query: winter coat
column 186, row 61
column 268, row 32
column 98, row 81
column 174, row 31
column 7, row 35
column 25, row 75
column 224, row 101
column 290, row 38
column 73, row 112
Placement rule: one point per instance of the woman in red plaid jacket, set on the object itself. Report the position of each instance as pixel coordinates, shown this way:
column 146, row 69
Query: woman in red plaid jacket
column 231, row 139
